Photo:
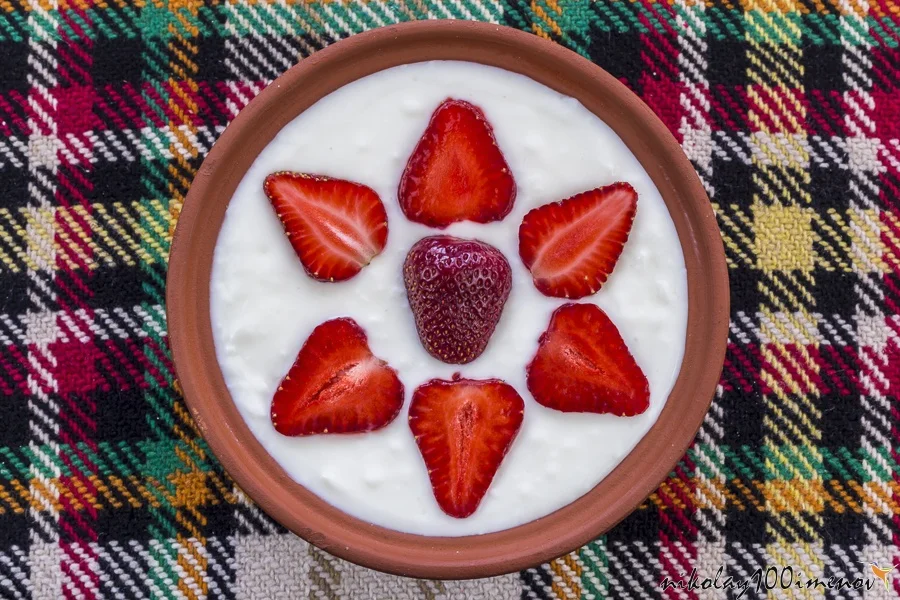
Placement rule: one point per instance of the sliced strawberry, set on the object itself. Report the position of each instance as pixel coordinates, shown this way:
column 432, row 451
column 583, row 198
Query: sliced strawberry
column 464, row 428
column 336, row 227
column 571, row 247
column 457, row 172
column 336, row 385
column 583, row 365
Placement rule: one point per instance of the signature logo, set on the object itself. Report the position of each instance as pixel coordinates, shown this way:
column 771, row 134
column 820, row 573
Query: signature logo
column 881, row 573
column 787, row 577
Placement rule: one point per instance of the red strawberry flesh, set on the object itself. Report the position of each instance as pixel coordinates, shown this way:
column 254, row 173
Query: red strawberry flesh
column 456, row 172
column 336, row 385
column 464, row 428
column 583, row 365
column 572, row 246
column 336, row 227
column 457, row 290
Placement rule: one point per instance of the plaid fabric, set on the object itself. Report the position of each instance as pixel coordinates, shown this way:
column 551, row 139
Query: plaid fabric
column 787, row 108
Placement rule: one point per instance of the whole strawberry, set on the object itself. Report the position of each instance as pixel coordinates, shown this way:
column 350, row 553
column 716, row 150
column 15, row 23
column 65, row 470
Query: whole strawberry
column 457, row 289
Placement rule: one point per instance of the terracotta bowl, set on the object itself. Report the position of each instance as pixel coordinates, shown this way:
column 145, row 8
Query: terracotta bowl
column 304, row 513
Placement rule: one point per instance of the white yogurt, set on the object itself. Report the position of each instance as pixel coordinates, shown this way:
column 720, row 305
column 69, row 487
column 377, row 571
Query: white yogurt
column 264, row 306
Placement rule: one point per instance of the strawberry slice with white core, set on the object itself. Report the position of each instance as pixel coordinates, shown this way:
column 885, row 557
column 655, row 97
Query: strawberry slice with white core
column 336, row 227
column 464, row 428
column 456, row 172
column 336, row 385
column 583, row 365
column 572, row 246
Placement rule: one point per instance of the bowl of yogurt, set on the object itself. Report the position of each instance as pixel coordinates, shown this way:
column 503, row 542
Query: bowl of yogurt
column 241, row 306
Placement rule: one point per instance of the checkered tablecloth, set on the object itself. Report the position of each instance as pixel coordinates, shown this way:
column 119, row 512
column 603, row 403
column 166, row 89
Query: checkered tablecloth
column 790, row 111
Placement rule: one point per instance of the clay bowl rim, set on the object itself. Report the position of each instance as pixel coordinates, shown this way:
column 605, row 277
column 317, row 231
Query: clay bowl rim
column 299, row 510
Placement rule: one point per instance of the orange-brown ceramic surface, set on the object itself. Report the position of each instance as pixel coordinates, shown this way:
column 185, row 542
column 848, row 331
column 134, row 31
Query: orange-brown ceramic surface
column 301, row 511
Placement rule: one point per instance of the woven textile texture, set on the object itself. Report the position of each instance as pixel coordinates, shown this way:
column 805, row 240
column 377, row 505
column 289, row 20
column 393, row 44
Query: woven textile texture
column 790, row 112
